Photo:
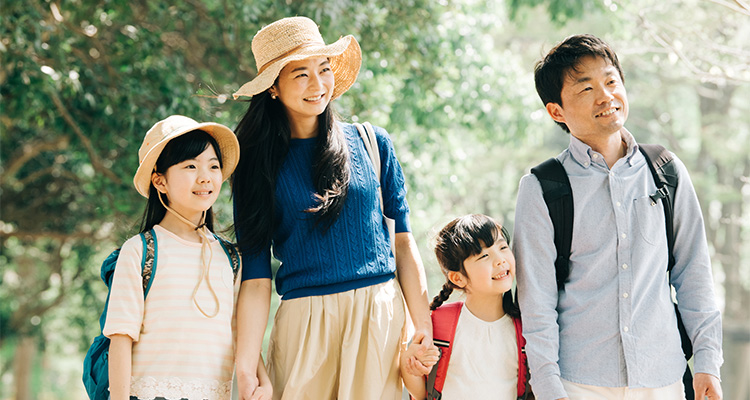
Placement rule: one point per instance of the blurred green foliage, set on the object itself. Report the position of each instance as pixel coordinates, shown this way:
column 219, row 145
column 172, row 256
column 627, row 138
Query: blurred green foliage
column 81, row 81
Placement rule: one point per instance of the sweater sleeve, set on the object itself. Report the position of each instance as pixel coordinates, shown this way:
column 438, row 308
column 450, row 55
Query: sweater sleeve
column 125, row 309
column 255, row 265
column 393, row 182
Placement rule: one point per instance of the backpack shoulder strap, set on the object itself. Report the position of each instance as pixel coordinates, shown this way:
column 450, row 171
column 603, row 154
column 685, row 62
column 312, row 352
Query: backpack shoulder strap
column 559, row 199
column 662, row 167
column 659, row 161
column 232, row 253
column 523, row 366
column 148, row 260
column 444, row 322
column 367, row 133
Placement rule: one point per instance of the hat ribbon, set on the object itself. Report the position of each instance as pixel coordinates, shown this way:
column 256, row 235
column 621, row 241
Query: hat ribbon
column 288, row 53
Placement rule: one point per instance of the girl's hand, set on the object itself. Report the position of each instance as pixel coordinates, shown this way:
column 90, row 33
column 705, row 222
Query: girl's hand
column 247, row 386
column 420, row 356
column 428, row 357
column 263, row 392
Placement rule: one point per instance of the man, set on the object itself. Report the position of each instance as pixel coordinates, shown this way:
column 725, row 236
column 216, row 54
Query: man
column 611, row 333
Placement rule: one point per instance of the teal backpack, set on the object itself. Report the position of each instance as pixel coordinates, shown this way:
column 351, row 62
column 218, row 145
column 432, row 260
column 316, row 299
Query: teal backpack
column 96, row 362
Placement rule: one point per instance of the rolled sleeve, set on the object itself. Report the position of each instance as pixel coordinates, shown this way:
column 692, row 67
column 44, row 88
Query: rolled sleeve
column 693, row 280
column 534, row 250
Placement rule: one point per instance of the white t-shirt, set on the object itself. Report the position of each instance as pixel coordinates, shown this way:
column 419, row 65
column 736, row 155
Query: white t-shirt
column 484, row 360
column 177, row 351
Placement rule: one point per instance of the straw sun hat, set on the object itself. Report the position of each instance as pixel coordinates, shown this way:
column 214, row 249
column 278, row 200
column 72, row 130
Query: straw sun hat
column 295, row 39
column 174, row 126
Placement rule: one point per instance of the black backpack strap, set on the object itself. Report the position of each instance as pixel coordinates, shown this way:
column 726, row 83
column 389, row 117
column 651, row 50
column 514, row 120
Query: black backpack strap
column 432, row 392
column 660, row 162
column 148, row 261
column 559, row 198
column 232, row 253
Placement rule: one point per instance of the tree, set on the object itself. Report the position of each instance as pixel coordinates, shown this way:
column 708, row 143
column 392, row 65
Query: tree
column 82, row 81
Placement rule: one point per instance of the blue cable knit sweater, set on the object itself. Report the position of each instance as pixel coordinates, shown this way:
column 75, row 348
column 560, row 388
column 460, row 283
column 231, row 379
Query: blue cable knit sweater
column 354, row 252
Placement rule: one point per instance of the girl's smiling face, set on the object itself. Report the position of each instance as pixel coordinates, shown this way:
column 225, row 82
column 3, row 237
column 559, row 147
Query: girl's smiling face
column 491, row 272
column 192, row 186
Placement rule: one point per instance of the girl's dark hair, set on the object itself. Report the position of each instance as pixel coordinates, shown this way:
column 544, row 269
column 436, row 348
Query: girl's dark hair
column 460, row 239
column 264, row 135
column 184, row 147
column 549, row 72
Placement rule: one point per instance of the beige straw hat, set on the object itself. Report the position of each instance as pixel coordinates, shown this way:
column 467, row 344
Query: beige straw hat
column 167, row 129
column 298, row 38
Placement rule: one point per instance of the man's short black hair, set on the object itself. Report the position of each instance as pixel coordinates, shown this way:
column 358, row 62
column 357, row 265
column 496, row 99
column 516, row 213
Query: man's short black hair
column 549, row 72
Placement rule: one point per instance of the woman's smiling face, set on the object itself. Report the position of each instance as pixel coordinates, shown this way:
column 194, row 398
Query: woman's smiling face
column 305, row 87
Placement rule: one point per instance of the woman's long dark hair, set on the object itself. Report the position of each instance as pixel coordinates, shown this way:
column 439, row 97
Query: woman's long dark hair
column 264, row 134
column 460, row 239
column 184, row 147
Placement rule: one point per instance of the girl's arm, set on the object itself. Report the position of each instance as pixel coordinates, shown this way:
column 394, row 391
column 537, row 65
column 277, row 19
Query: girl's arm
column 414, row 286
column 120, row 366
column 253, row 305
column 415, row 384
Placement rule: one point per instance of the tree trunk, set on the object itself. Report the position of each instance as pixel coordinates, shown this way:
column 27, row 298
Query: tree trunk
column 23, row 365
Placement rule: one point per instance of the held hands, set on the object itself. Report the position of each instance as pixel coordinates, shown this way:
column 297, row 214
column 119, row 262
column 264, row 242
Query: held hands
column 421, row 355
column 250, row 388
column 707, row 385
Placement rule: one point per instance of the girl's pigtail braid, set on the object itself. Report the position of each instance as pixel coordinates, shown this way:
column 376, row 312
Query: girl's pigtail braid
column 444, row 294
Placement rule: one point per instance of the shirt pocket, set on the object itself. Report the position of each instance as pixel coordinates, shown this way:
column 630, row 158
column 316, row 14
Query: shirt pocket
column 649, row 217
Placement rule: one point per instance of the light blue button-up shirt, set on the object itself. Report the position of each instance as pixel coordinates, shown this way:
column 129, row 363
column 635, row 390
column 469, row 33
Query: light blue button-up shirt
column 614, row 324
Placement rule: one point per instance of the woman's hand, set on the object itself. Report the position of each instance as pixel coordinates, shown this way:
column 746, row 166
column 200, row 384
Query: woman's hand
column 420, row 356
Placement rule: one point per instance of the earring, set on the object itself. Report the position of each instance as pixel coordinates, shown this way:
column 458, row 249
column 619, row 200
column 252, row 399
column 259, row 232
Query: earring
column 273, row 96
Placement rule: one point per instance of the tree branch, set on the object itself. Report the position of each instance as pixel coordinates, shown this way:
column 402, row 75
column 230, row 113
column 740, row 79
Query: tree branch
column 28, row 152
column 35, row 235
column 95, row 160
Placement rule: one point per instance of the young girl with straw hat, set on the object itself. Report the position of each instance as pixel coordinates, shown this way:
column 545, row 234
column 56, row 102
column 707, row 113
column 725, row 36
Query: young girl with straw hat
column 306, row 188
column 178, row 342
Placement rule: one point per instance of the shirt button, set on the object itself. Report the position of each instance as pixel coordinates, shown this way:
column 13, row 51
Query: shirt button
column 624, row 236
column 625, row 295
column 624, row 266
column 586, row 164
column 596, row 156
column 618, row 204
column 625, row 329
column 612, row 173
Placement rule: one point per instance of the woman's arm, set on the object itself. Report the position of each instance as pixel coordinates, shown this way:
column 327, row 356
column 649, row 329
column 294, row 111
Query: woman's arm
column 413, row 282
column 264, row 391
column 120, row 366
column 253, row 306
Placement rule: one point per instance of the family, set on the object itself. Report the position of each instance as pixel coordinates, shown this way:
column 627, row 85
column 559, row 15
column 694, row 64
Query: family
column 183, row 317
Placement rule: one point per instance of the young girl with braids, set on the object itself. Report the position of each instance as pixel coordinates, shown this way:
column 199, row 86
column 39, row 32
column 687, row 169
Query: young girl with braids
column 474, row 254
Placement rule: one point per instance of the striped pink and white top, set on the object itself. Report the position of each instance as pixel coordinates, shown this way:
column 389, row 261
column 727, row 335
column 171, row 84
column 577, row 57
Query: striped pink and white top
column 177, row 351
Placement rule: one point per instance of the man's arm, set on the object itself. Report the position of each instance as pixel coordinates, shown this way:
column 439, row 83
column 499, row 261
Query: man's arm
column 535, row 253
column 692, row 278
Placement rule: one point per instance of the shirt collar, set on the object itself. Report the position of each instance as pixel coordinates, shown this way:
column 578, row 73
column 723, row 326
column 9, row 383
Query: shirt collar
column 584, row 155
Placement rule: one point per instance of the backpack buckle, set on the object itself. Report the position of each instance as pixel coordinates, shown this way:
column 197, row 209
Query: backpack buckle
column 661, row 193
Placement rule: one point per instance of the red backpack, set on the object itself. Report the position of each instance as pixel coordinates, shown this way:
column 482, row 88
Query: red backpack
column 444, row 321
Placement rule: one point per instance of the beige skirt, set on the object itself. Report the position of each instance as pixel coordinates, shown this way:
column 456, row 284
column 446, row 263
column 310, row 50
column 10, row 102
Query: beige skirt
column 339, row 346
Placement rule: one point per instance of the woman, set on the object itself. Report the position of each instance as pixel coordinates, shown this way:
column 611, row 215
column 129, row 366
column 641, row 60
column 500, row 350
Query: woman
column 305, row 186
